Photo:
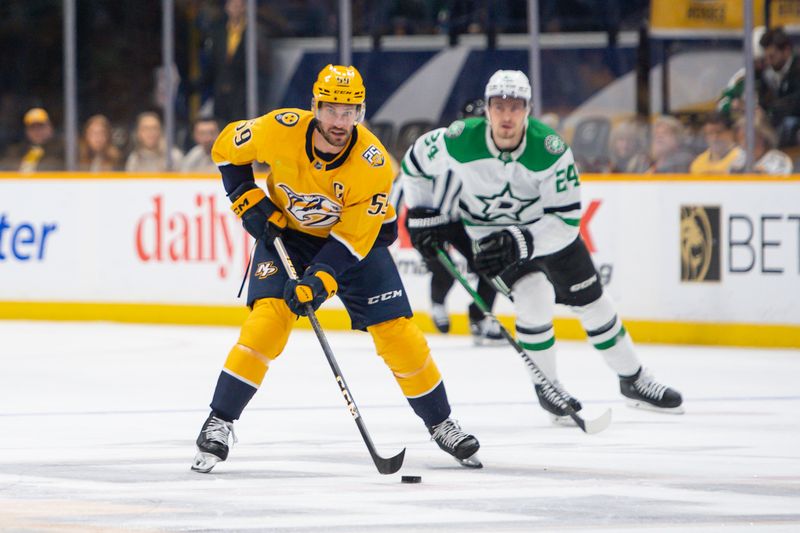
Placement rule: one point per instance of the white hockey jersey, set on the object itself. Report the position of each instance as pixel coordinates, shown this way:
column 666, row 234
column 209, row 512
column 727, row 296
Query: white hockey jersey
column 535, row 186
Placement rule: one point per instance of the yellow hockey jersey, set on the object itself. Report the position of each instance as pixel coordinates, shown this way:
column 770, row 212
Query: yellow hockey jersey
column 704, row 165
column 346, row 198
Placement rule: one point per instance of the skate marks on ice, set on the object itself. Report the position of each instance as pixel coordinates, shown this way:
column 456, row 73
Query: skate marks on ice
column 109, row 449
column 537, row 478
column 288, row 494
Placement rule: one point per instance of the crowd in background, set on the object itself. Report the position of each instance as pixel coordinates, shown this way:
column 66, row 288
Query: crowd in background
column 702, row 142
column 43, row 151
column 119, row 51
column 669, row 147
column 664, row 146
column 716, row 145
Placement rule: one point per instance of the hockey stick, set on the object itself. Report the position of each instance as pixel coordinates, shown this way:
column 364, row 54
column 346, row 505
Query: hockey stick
column 385, row 466
column 588, row 426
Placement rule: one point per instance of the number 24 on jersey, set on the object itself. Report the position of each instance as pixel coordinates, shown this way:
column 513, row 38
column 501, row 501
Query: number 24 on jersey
column 565, row 177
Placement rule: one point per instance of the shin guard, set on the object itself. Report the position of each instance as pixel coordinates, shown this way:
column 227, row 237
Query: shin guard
column 405, row 351
column 608, row 335
column 262, row 338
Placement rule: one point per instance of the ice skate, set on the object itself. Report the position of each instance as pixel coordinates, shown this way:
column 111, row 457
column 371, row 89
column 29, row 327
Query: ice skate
column 553, row 404
column 644, row 392
column 462, row 446
column 440, row 317
column 212, row 443
column 485, row 332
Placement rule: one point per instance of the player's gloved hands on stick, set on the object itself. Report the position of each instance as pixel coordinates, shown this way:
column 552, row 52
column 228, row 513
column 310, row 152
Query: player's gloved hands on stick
column 501, row 249
column 316, row 286
column 260, row 217
column 426, row 229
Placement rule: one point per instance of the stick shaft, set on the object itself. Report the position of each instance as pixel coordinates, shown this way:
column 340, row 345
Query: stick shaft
column 385, row 466
column 445, row 260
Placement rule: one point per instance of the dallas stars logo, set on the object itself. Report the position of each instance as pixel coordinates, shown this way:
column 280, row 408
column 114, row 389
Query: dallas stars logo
column 504, row 204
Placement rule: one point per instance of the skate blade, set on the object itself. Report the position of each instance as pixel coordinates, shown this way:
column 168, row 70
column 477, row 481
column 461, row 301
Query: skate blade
column 644, row 406
column 470, row 462
column 204, row 462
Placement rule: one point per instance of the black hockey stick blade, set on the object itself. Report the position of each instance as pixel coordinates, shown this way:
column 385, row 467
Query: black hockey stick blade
column 390, row 465
column 384, row 465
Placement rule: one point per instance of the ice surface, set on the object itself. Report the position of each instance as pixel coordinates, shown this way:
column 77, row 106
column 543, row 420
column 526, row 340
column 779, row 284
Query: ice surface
column 99, row 422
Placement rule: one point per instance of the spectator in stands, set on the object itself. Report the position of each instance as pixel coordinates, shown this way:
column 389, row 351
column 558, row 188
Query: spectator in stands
column 40, row 151
column 668, row 151
column 779, row 87
column 198, row 159
column 225, row 73
column 722, row 151
column 626, row 148
column 96, row 153
column 767, row 159
column 150, row 151
column 731, row 100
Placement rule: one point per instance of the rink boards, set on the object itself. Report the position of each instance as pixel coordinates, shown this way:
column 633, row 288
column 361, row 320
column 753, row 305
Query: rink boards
column 711, row 261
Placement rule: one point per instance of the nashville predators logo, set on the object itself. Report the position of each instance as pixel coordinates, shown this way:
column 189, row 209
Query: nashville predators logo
column 265, row 270
column 287, row 118
column 374, row 156
column 312, row 210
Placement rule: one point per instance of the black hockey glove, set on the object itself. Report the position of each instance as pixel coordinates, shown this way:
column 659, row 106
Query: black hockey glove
column 316, row 286
column 498, row 251
column 426, row 229
column 260, row 217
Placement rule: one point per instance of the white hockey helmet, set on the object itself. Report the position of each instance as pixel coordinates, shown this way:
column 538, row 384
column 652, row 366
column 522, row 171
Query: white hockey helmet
column 508, row 84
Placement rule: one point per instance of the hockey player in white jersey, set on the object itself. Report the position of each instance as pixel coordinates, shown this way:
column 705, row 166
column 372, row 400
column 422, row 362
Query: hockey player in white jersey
column 484, row 330
column 519, row 194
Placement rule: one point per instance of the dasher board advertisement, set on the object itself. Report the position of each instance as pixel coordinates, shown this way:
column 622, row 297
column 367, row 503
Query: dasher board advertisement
column 677, row 250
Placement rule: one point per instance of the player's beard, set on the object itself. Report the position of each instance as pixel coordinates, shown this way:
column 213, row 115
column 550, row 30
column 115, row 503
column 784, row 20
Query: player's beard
column 339, row 140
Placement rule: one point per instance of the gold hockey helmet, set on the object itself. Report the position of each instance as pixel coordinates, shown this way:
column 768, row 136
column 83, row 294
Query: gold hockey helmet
column 338, row 84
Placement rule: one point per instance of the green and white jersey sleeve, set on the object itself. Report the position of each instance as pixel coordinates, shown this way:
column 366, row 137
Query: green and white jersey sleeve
column 535, row 186
column 435, row 186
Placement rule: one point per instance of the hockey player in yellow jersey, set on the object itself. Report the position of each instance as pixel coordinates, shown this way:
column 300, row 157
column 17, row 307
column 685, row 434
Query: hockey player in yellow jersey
column 327, row 197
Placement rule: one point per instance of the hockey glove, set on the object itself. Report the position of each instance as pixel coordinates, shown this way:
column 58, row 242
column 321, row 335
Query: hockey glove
column 426, row 229
column 316, row 286
column 260, row 217
column 498, row 251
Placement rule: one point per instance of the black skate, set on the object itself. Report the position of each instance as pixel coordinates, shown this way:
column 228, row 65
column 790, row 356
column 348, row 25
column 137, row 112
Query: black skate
column 555, row 405
column 644, row 392
column 212, row 443
column 440, row 317
column 485, row 332
column 463, row 446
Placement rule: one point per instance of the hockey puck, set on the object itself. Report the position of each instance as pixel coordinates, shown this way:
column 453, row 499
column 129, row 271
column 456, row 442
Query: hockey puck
column 411, row 479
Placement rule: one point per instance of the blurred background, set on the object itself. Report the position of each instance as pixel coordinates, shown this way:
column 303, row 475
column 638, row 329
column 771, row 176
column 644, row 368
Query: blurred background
column 634, row 86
